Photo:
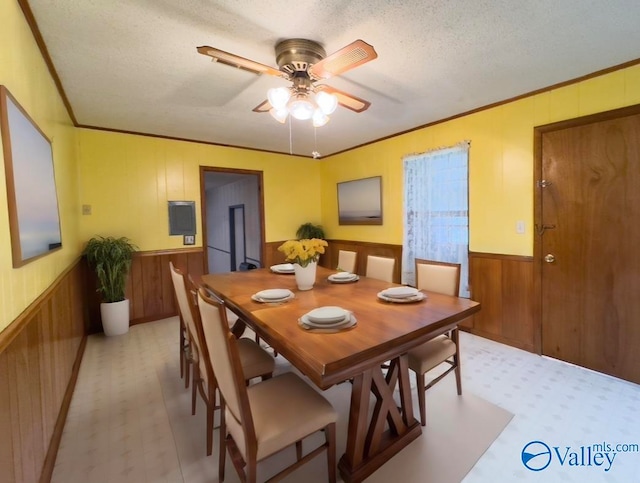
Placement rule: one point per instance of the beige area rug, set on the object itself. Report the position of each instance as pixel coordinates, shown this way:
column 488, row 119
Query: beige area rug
column 458, row 432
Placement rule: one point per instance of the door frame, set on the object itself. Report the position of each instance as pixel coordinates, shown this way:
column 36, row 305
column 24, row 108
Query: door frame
column 538, row 133
column 203, row 208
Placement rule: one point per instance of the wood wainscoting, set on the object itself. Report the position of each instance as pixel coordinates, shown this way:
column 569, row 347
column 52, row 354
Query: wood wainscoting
column 504, row 286
column 149, row 287
column 40, row 354
column 330, row 258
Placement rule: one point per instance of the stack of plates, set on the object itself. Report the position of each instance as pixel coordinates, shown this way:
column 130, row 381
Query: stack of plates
column 273, row 295
column 401, row 295
column 283, row 268
column 328, row 317
column 343, row 277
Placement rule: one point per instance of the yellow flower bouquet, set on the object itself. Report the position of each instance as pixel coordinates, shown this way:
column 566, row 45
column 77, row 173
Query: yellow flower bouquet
column 304, row 251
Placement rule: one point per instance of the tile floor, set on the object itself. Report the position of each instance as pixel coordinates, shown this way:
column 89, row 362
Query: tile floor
column 123, row 424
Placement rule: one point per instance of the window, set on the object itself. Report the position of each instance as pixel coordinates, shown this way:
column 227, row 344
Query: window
column 436, row 210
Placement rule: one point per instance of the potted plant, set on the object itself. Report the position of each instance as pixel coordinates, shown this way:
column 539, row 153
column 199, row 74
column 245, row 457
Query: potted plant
column 309, row 231
column 110, row 258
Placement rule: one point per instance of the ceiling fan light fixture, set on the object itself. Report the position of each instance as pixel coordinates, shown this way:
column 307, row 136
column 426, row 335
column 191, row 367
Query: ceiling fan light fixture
column 301, row 108
column 279, row 115
column 319, row 118
column 326, row 102
column 278, row 97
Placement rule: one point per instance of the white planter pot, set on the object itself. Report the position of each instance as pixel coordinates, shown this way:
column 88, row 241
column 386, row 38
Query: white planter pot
column 115, row 317
column 305, row 276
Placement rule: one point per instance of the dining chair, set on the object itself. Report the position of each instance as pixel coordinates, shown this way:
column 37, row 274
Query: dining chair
column 444, row 278
column 255, row 360
column 260, row 420
column 347, row 260
column 380, row 268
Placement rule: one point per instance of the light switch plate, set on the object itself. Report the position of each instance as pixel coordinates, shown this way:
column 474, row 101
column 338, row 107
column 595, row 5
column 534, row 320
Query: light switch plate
column 189, row 240
column 520, row 227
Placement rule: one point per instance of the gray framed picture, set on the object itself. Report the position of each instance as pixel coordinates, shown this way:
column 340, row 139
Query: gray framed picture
column 360, row 201
column 34, row 218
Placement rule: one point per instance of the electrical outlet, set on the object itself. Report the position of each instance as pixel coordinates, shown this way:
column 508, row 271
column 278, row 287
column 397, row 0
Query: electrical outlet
column 189, row 240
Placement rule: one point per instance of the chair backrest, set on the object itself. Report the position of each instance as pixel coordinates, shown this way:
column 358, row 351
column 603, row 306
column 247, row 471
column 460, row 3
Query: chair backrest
column 380, row 268
column 347, row 260
column 440, row 277
column 185, row 308
column 223, row 354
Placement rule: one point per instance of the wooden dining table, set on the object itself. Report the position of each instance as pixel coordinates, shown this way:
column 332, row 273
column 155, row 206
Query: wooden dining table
column 383, row 334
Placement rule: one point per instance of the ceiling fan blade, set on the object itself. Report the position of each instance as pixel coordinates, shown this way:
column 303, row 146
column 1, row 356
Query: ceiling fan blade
column 240, row 62
column 354, row 103
column 347, row 58
column 264, row 106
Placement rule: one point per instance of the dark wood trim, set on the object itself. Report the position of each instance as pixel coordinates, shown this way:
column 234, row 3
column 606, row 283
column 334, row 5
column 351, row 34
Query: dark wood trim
column 504, row 286
column 203, row 206
column 54, row 444
column 35, row 31
column 14, row 328
column 542, row 90
column 499, row 256
column 188, row 140
column 39, row 363
column 537, row 199
column 149, row 287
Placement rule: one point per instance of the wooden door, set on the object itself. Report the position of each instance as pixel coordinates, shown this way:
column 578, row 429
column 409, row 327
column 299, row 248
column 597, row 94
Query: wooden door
column 589, row 245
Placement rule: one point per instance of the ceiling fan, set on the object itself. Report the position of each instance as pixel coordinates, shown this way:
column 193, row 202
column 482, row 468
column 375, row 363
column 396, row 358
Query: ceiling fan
column 304, row 63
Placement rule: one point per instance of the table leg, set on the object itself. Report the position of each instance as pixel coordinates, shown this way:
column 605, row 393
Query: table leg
column 372, row 441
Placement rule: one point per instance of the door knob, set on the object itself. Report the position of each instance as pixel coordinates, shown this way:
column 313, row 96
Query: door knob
column 549, row 258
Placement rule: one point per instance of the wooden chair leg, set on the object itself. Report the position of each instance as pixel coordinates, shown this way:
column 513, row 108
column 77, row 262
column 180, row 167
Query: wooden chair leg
column 211, row 409
column 420, row 387
column 182, row 351
column 222, row 455
column 456, row 360
column 194, row 388
column 187, row 375
column 330, row 437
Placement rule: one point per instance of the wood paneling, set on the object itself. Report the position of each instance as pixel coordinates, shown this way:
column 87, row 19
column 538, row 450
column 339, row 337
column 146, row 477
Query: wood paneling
column 149, row 288
column 40, row 355
column 503, row 284
column 330, row 257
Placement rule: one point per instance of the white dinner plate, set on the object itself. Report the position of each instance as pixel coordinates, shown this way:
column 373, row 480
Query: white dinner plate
column 274, row 294
column 400, row 292
column 352, row 278
column 327, row 315
column 271, row 301
column 348, row 321
column 283, row 268
column 402, row 300
column 342, row 275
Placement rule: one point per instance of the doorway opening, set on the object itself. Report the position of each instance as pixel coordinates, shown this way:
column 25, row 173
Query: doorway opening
column 232, row 218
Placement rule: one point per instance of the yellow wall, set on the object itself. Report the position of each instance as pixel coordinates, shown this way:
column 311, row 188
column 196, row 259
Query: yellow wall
column 24, row 73
column 500, row 162
column 128, row 180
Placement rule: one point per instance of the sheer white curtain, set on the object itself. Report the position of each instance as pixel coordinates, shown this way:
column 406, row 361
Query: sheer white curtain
column 436, row 210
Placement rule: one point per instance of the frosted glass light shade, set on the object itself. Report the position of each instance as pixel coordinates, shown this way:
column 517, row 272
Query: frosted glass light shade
column 278, row 97
column 319, row 118
column 279, row 115
column 327, row 102
column 301, row 108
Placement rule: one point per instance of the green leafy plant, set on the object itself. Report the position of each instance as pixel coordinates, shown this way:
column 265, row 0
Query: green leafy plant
column 110, row 258
column 308, row 231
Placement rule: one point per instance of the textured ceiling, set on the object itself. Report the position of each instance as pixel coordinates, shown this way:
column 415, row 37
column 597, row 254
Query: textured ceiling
column 132, row 65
